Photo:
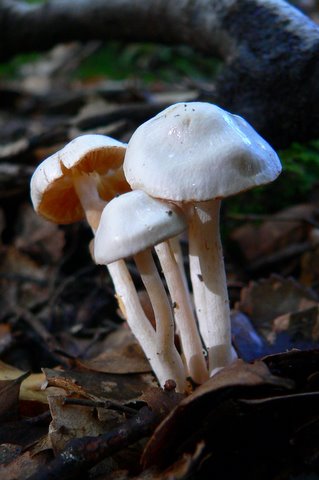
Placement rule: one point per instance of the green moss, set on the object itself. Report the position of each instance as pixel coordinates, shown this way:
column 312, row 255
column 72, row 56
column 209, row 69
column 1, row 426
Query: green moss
column 299, row 177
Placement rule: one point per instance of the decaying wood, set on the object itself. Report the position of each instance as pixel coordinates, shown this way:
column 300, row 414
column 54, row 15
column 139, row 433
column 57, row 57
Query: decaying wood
column 269, row 48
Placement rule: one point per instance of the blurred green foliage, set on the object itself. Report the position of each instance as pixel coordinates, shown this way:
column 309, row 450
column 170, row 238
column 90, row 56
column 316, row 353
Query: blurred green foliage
column 300, row 175
column 145, row 61
column 152, row 63
column 11, row 68
column 301, row 163
column 148, row 62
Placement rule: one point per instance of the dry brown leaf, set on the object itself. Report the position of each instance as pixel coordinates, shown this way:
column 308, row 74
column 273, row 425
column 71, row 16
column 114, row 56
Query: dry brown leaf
column 100, row 386
column 310, row 267
column 269, row 298
column 6, row 337
column 74, row 421
column 9, row 397
column 14, row 262
column 303, row 324
column 122, row 354
column 256, row 241
column 39, row 237
column 32, row 388
column 185, row 422
column 22, row 467
column 22, row 280
column 182, row 469
column 301, row 366
column 160, row 400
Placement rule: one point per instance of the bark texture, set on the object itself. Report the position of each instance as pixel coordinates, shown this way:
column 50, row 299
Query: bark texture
column 269, row 49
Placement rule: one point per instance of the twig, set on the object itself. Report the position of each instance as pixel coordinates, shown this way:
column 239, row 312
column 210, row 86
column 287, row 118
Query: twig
column 81, row 454
column 108, row 404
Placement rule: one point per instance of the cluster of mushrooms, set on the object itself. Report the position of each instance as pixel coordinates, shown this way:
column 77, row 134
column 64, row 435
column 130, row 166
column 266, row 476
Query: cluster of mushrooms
column 138, row 199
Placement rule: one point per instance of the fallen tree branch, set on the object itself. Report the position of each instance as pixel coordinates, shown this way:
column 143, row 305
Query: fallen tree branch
column 269, row 48
column 81, row 454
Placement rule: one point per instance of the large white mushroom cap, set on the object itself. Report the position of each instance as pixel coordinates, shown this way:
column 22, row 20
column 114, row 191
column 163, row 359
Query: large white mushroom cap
column 133, row 222
column 52, row 188
column 198, row 151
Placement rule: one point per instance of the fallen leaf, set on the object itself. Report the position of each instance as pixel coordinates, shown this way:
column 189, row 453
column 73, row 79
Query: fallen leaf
column 181, row 431
column 286, row 227
column 267, row 299
column 122, row 354
column 37, row 237
column 301, row 328
column 248, row 419
column 310, row 267
column 183, row 469
column 22, row 281
column 74, row 421
column 6, row 337
column 23, row 432
column 22, row 467
column 100, row 386
column 33, row 387
column 300, row 366
column 9, row 397
column 160, row 400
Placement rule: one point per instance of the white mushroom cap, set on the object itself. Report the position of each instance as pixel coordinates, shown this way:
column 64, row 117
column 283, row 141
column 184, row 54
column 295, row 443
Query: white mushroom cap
column 52, row 189
column 133, row 222
column 197, row 151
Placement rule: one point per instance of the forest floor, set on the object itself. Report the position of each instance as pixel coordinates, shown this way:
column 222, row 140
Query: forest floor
column 71, row 371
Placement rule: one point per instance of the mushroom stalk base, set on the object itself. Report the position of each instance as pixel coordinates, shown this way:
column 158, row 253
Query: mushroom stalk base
column 166, row 349
column 183, row 312
column 209, row 283
column 141, row 327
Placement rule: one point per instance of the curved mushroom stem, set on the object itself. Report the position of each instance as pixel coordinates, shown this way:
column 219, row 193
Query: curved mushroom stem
column 86, row 188
column 209, row 283
column 139, row 324
column 158, row 346
column 184, row 317
column 175, row 245
column 166, row 349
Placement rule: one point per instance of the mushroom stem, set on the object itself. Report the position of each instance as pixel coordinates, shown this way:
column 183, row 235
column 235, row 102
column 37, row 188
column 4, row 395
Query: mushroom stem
column 209, row 282
column 175, row 245
column 158, row 346
column 183, row 312
column 166, row 349
column 141, row 327
column 86, row 188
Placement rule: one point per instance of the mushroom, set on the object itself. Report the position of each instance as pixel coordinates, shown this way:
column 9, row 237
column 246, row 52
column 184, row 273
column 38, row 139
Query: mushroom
column 76, row 182
column 131, row 225
column 183, row 311
column 195, row 154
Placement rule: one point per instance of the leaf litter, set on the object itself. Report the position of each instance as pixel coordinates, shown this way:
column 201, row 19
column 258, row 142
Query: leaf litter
column 77, row 396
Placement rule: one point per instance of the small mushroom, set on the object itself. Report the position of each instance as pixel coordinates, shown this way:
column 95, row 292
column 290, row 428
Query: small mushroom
column 183, row 312
column 131, row 225
column 76, row 182
column 195, row 154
